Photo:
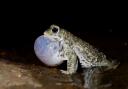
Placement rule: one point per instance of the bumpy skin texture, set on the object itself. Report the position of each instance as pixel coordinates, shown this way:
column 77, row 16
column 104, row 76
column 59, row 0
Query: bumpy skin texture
column 73, row 47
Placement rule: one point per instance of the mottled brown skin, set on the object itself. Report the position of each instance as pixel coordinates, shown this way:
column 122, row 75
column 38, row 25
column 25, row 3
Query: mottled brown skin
column 74, row 47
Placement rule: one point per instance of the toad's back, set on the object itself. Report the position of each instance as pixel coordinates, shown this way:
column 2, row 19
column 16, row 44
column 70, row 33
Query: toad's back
column 87, row 54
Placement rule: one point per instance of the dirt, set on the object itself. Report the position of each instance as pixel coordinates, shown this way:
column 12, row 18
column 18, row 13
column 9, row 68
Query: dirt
column 16, row 74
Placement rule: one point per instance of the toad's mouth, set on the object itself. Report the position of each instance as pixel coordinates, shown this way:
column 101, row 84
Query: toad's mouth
column 51, row 37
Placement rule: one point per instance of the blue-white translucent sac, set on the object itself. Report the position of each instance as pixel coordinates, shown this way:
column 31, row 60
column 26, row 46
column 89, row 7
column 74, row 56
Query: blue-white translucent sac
column 47, row 51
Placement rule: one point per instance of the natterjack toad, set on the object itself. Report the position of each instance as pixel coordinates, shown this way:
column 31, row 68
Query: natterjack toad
column 73, row 48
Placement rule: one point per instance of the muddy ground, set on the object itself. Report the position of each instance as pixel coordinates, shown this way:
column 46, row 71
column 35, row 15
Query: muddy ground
column 18, row 72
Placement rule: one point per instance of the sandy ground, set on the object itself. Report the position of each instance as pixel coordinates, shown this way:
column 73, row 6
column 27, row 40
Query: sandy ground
column 16, row 75
column 21, row 75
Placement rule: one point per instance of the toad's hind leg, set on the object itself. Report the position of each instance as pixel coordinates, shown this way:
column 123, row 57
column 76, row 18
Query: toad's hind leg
column 93, row 79
column 107, row 64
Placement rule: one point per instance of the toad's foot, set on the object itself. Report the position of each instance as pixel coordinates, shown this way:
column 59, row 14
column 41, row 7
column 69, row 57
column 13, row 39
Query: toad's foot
column 113, row 65
column 66, row 72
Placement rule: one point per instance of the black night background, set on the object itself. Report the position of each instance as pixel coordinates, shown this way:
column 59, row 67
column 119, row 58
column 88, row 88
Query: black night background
column 106, row 31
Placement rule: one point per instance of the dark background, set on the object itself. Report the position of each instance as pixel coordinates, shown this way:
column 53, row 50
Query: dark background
column 106, row 30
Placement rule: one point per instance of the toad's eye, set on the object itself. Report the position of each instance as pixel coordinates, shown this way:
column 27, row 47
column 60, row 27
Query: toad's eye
column 55, row 30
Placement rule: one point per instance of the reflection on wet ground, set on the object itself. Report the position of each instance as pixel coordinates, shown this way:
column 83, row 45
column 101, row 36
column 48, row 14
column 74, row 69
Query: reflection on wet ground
column 17, row 72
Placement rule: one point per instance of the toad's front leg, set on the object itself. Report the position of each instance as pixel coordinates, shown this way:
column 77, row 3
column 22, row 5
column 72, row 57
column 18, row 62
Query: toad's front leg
column 72, row 63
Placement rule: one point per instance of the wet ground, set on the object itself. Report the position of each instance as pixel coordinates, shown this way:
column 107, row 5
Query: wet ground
column 17, row 72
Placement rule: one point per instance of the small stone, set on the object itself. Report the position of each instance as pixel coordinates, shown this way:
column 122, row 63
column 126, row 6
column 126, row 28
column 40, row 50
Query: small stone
column 58, row 84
